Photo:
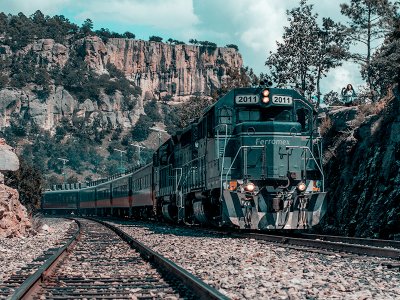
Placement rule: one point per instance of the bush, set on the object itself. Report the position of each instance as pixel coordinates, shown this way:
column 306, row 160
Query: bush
column 151, row 110
column 142, row 128
column 325, row 126
column 29, row 182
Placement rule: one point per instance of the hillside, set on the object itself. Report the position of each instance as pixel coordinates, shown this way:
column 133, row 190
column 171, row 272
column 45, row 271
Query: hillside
column 69, row 92
column 362, row 155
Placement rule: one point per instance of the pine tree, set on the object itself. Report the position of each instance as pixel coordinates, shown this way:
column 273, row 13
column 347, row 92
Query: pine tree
column 369, row 21
column 332, row 51
column 385, row 63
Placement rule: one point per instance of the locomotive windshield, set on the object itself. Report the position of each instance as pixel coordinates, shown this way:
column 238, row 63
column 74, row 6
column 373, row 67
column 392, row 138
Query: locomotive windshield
column 249, row 115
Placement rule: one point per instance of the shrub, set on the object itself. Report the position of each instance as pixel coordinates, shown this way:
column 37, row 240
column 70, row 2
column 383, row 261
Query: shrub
column 325, row 126
column 151, row 110
column 142, row 128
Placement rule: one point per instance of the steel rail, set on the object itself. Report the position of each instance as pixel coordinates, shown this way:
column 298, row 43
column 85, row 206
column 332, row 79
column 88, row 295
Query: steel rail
column 353, row 240
column 27, row 288
column 197, row 286
column 327, row 245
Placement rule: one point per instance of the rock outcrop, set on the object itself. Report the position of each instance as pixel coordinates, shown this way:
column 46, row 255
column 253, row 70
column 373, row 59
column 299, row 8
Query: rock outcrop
column 363, row 170
column 177, row 70
column 60, row 104
column 160, row 70
column 14, row 220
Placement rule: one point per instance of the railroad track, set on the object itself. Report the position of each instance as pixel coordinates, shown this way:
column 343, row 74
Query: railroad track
column 317, row 242
column 370, row 247
column 25, row 280
column 103, row 265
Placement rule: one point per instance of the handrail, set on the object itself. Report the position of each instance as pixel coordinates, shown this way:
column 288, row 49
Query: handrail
column 234, row 159
column 223, row 155
column 316, row 162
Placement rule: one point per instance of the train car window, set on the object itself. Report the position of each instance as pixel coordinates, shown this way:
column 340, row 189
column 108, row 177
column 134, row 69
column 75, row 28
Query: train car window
column 249, row 115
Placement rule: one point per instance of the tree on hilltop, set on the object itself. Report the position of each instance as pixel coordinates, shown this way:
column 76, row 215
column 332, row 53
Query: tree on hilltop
column 233, row 46
column 87, row 27
column 385, row 63
column 370, row 20
column 129, row 35
column 155, row 38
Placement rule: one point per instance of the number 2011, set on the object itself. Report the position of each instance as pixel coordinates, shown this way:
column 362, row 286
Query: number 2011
column 282, row 100
column 246, row 99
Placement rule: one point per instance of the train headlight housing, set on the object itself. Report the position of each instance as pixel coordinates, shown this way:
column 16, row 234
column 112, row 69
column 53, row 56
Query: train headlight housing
column 301, row 187
column 265, row 93
column 265, row 100
column 249, row 187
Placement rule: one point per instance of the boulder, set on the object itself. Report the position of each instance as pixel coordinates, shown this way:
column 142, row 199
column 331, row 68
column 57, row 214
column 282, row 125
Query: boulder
column 14, row 219
column 8, row 159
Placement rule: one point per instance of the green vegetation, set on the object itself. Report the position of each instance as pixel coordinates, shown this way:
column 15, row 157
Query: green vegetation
column 308, row 50
column 233, row 46
column 21, row 30
column 155, row 38
column 142, row 128
column 28, row 180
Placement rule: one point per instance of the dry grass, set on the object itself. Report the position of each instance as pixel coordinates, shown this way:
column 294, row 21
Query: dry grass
column 325, row 125
column 37, row 223
column 366, row 110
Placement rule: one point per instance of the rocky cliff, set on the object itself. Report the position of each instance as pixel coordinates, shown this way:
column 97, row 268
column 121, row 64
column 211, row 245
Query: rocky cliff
column 162, row 71
column 362, row 165
column 177, row 70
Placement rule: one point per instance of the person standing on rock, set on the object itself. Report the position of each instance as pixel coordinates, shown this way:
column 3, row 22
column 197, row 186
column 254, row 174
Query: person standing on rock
column 348, row 95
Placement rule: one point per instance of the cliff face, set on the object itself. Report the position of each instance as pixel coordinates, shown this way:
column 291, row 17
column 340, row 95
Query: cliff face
column 363, row 170
column 160, row 70
column 177, row 70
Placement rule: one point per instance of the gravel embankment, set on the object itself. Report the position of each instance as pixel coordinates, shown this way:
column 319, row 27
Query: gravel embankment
column 246, row 268
column 16, row 253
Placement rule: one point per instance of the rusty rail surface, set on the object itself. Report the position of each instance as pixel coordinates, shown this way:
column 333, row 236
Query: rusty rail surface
column 27, row 288
column 197, row 286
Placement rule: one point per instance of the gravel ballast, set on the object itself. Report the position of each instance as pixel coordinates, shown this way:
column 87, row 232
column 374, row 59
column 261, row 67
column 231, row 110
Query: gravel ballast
column 17, row 252
column 250, row 269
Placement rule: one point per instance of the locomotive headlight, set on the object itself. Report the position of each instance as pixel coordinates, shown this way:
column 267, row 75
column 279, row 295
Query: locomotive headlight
column 301, row 187
column 249, row 187
column 265, row 93
column 265, row 99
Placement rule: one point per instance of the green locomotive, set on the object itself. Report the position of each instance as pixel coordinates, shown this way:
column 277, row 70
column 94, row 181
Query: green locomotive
column 252, row 160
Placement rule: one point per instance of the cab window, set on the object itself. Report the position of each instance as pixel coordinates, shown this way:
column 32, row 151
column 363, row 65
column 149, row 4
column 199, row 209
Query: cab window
column 249, row 115
column 225, row 115
column 303, row 117
column 284, row 116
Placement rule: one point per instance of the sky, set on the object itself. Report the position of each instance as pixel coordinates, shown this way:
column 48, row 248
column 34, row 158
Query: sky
column 253, row 25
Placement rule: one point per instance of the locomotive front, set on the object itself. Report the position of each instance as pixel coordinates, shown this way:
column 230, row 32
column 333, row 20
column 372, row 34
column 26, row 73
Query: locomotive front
column 271, row 152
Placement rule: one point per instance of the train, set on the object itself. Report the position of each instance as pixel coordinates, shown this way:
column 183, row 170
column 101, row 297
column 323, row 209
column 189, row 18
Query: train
column 253, row 160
